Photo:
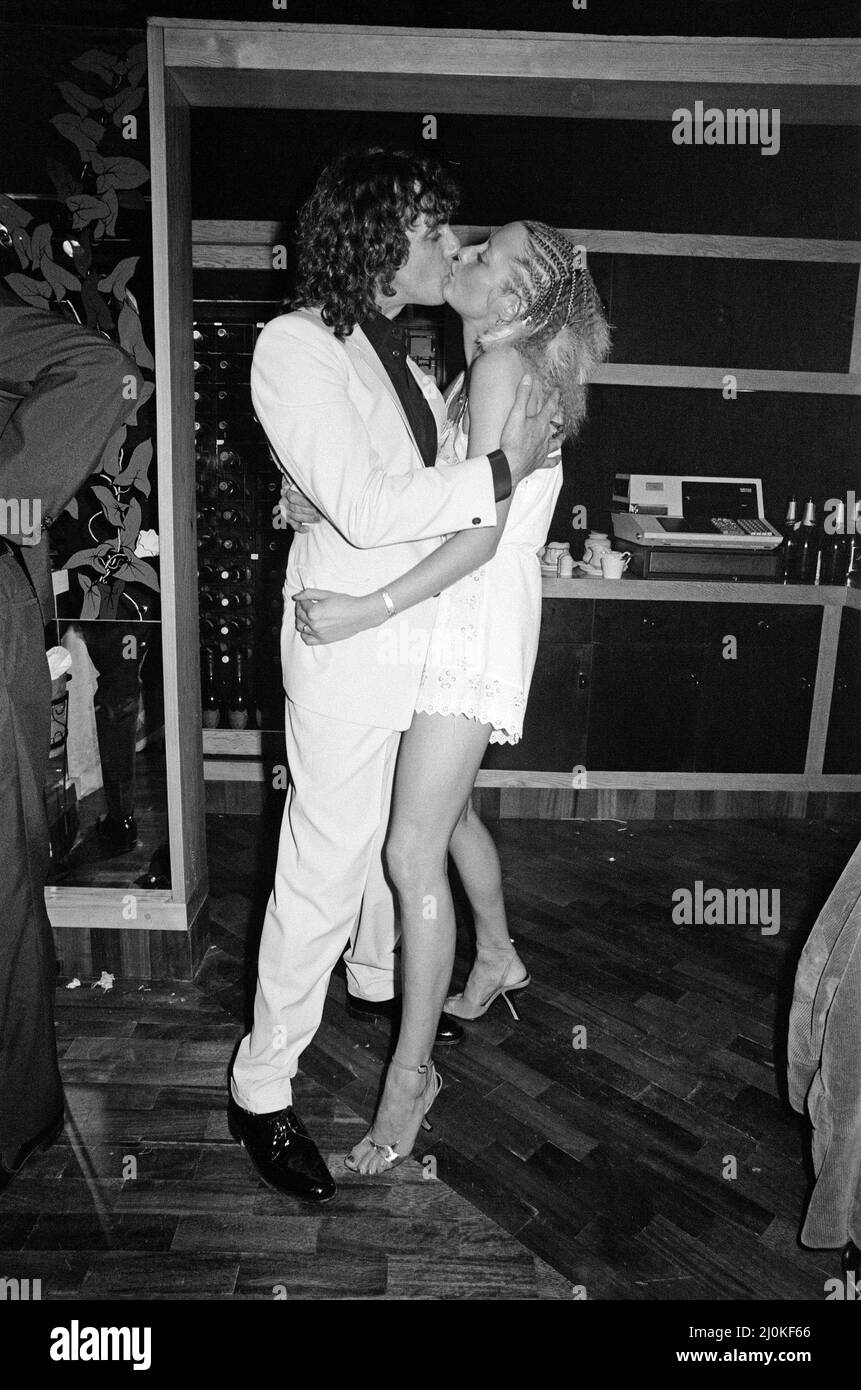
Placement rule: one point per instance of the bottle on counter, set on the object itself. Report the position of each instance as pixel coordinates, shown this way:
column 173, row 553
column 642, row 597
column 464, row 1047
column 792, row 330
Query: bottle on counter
column 835, row 550
column 791, row 543
column 211, row 705
column 853, row 559
column 808, row 548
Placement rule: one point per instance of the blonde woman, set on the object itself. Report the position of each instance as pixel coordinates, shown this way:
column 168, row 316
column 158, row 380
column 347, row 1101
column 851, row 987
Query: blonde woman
column 527, row 305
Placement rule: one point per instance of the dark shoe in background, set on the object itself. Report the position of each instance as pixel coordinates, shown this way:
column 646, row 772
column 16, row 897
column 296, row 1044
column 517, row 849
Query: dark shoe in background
column 448, row 1032
column 158, row 873
column 49, row 1135
column 117, row 836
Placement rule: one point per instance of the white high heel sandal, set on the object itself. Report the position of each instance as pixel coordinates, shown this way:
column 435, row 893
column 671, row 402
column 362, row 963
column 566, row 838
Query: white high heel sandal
column 459, row 1007
column 390, row 1153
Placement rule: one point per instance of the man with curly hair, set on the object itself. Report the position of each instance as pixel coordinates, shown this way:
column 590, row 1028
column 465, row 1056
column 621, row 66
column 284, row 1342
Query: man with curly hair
column 355, row 424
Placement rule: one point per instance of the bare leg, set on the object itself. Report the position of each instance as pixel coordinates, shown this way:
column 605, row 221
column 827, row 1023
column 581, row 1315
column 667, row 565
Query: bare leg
column 439, row 759
column 477, row 860
column 475, row 854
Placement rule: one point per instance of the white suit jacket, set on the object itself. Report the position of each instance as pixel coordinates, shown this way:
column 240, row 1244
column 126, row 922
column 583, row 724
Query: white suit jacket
column 336, row 425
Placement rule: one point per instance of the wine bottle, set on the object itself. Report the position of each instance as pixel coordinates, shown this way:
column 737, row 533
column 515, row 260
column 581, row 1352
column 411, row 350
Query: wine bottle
column 228, row 430
column 791, row 543
column 834, row 553
column 234, row 627
column 237, row 699
column 808, row 549
column 209, row 691
column 853, row 561
column 233, row 337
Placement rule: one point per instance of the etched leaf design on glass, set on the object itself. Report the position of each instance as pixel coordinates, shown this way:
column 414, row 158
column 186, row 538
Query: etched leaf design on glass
column 105, row 65
column 84, row 133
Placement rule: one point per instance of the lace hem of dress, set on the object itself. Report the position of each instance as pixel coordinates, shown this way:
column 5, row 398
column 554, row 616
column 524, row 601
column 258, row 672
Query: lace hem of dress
column 486, row 699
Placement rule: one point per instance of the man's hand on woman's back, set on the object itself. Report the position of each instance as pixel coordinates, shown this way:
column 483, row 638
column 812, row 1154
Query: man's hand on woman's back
column 529, row 441
column 295, row 508
column 529, row 436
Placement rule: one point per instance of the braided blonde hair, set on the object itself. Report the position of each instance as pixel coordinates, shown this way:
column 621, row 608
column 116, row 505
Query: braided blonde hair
column 560, row 330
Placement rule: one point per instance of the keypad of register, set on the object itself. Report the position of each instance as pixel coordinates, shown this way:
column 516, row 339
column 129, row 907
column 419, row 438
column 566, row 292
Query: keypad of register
column 743, row 526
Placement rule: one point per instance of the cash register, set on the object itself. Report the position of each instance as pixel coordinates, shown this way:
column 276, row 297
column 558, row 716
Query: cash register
column 680, row 527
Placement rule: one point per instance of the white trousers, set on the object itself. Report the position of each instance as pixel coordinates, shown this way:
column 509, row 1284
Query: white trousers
column 330, row 890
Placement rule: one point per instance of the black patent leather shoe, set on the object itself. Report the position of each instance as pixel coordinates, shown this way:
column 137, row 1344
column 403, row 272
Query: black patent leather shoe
column 48, row 1136
column 117, row 836
column 283, row 1152
column 448, row 1030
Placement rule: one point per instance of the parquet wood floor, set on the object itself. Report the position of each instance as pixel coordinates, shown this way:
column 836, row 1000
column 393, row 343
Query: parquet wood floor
column 660, row 1161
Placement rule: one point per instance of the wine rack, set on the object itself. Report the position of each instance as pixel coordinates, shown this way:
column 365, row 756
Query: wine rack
column 242, row 543
column 242, row 540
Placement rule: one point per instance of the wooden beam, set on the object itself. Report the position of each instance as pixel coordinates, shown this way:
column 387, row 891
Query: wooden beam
column 228, row 231
column 255, row 770
column 855, row 352
column 108, row 909
column 696, row 591
column 270, row 47
column 497, row 96
column 695, row 244
column 712, row 379
column 821, row 709
column 247, row 245
column 173, row 309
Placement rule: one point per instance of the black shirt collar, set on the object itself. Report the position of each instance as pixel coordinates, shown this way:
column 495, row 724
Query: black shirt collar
column 382, row 332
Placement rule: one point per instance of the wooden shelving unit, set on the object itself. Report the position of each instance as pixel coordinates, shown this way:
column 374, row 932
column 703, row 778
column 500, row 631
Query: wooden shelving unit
column 217, row 64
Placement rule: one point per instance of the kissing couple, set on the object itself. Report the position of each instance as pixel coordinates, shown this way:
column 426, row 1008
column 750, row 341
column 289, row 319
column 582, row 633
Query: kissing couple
column 416, row 518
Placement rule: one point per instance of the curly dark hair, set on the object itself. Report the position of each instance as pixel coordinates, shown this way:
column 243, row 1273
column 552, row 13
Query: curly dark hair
column 351, row 237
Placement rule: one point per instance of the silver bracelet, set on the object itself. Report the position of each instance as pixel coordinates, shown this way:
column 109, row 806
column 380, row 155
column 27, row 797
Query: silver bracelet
column 387, row 600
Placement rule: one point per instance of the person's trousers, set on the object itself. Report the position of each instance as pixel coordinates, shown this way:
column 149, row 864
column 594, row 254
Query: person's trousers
column 116, row 705
column 329, row 859
column 31, row 1095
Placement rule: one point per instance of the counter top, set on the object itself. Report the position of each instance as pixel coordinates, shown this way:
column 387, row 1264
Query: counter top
column 700, row 591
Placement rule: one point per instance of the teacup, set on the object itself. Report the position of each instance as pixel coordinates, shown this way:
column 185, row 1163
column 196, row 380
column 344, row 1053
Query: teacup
column 614, row 563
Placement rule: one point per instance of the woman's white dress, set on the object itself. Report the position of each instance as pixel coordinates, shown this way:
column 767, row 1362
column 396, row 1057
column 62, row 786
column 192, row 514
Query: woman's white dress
column 485, row 637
